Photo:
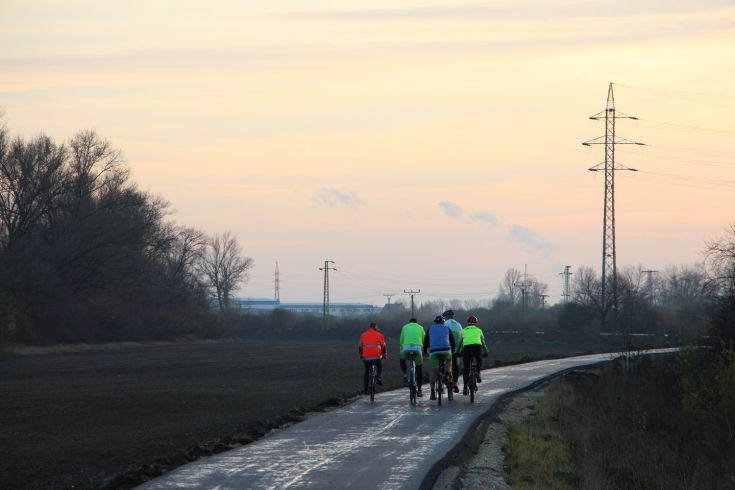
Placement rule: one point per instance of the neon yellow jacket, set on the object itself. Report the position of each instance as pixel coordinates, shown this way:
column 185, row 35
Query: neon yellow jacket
column 472, row 335
column 412, row 334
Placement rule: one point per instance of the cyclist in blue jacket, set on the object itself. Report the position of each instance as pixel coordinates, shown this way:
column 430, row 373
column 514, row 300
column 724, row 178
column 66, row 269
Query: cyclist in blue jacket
column 439, row 344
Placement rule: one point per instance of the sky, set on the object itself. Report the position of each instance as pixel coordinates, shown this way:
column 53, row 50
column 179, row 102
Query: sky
column 425, row 145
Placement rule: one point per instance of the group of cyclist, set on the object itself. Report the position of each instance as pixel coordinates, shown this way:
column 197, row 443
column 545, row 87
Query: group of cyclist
column 445, row 339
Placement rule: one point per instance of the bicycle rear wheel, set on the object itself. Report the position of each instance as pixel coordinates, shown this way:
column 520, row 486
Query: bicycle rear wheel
column 473, row 381
column 412, row 383
column 438, row 384
column 371, row 385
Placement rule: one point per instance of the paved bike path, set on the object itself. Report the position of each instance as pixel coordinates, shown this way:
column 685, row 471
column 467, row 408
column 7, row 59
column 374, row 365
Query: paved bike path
column 386, row 445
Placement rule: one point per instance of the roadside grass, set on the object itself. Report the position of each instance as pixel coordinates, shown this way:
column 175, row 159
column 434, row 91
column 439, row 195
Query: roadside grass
column 622, row 426
column 538, row 456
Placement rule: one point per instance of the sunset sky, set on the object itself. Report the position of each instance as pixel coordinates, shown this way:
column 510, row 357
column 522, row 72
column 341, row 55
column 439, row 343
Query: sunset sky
column 419, row 145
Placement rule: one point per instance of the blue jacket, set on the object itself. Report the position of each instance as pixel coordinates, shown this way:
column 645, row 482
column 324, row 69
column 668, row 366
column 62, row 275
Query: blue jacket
column 438, row 338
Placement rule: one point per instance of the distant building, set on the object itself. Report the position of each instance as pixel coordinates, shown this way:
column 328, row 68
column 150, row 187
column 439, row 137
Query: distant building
column 264, row 305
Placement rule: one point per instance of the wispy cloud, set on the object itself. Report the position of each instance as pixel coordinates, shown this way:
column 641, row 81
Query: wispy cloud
column 519, row 10
column 331, row 197
column 529, row 238
column 452, row 210
column 485, row 217
column 233, row 58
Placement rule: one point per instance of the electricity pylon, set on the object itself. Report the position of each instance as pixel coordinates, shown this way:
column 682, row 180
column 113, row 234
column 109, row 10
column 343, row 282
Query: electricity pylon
column 609, row 261
column 277, row 293
column 649, row 283
column 566, row 294
column 325, row 308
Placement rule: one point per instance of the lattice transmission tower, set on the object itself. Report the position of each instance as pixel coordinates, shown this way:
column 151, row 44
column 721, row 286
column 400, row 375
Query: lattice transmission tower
column 566, row 294
column 609, row 166
column 325, row 308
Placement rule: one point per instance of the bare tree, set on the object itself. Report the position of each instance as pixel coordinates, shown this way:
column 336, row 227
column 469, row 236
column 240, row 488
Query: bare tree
column 690, row 285
column 587, row 290
column 31, row 182
column 720, row 262
column 187, row 249
column 537, row 290
column 508, row 289
column 224, row 267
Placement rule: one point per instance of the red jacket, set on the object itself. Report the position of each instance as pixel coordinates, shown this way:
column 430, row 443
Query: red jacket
column 372, row 345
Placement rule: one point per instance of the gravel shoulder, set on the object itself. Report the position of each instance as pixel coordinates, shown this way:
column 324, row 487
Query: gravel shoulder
column 482, row 464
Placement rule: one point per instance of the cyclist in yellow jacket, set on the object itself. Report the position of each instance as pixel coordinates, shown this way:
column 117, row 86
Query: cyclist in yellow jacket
column 412, row 340
column 472, row 345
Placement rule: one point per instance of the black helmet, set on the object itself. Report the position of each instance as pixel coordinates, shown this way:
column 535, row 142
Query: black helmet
column 448, row 314
column 373, row 324
column 439, row 319
column 412, row 320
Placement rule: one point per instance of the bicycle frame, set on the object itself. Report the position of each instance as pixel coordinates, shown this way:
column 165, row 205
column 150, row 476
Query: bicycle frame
column 372, row 381
column 472, row 382
column 443, row 378
column 412, row 386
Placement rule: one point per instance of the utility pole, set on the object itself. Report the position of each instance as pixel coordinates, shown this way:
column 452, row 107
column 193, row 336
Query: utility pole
column 277, row 294
column 543, row 300
column 412, row 294
column 325, row 309
column 649, row 283
column 609, row 261
column 524, row 285
column 389, row 296
column 566, row 295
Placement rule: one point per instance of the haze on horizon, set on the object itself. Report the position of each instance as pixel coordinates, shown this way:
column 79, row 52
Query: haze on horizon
column 419, row 145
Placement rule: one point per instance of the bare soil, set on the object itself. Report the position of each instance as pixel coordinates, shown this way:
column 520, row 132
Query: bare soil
column 113, row 417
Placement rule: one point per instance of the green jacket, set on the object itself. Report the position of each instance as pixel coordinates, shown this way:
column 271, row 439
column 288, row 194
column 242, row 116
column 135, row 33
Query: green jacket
column 472, row 335
column 413, row 334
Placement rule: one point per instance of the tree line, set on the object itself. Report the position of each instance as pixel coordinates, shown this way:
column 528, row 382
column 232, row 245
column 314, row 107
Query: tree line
column 85, row 255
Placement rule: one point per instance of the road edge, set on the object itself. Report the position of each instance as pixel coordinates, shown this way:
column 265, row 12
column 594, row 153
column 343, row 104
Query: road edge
column 471, row 440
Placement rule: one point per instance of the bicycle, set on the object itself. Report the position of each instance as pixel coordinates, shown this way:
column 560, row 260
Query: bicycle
column 372, row 382
column 412, row 386
column 443, row 378
column 472, row 381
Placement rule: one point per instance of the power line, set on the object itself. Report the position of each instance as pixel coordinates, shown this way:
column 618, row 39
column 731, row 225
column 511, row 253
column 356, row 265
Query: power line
column 675, row 91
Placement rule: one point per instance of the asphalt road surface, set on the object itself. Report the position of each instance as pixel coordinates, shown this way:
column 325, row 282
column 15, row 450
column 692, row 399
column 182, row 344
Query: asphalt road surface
column 386, row 445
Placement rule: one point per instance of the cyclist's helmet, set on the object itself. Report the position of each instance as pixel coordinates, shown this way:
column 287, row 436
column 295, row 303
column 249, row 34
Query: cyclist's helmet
column 439, row 319
column 472, row 320
column 412, row 320
column 448, row 314
column 373, row 325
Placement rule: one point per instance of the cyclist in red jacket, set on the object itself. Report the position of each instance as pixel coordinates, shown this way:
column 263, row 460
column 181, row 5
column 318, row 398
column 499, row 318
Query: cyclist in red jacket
column 372, row 352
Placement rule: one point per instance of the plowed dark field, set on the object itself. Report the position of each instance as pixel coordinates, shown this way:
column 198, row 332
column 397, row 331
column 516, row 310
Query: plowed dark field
column 76, row 420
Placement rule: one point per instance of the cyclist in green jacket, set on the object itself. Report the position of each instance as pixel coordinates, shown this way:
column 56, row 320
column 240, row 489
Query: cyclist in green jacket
column 472, row 345
column 412, row 340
